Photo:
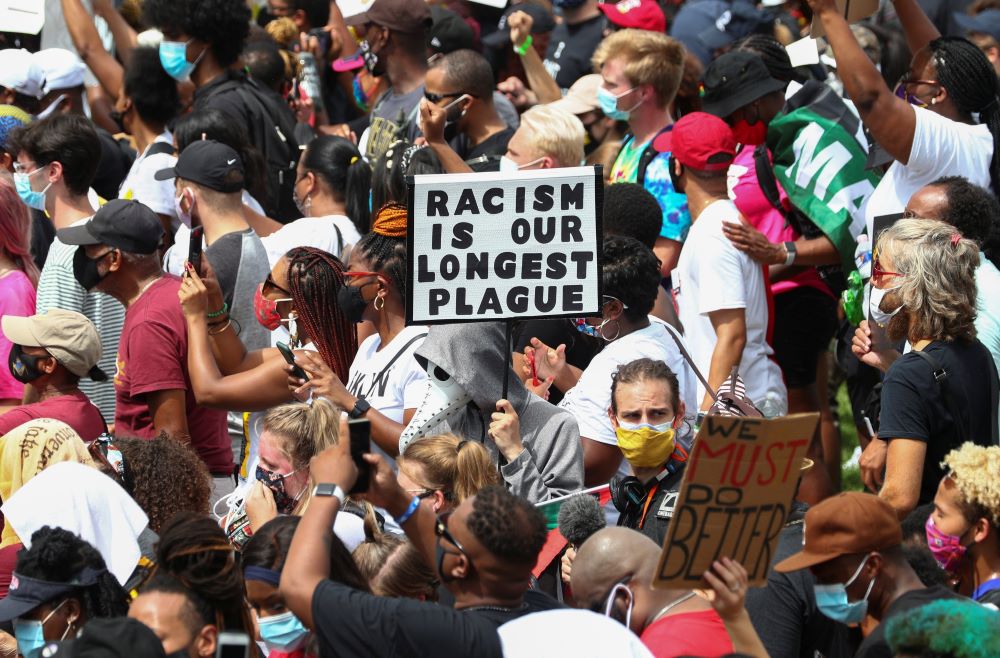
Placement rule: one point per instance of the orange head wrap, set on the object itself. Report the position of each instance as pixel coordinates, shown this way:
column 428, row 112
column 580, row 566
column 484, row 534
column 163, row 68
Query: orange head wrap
column 390, row 221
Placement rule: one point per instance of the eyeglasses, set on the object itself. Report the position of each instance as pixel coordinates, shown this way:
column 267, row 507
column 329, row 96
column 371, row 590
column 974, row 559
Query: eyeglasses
column 269, row 282
column 441, row 530
column 23, row 169
column 358, row 275
column 421, row 493
column 878, row 274
column 903, row 93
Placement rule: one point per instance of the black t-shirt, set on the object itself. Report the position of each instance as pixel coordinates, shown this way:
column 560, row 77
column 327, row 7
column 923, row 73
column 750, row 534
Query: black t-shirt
column 875, row 645
column 492, row 148
column 580, row 348
column 661, row 508
column 534, row 601
column 350, row 623
column 567, row 58
column 913, row 406
column 784, row 612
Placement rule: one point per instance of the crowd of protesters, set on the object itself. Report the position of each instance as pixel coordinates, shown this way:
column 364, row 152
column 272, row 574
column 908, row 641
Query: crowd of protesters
column 204, row 235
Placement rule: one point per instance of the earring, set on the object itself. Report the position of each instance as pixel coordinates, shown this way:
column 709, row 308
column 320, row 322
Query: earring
column 618, row 332
column 379, row 302
column 933, row 101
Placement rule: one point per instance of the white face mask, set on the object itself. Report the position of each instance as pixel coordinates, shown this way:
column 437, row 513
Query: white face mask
column 508, row 166
column 876, row 313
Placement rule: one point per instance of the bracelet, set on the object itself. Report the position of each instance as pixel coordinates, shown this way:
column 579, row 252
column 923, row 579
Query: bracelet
column 219, row 331
column 222, row 311
column 523, row 48
column 405, row 516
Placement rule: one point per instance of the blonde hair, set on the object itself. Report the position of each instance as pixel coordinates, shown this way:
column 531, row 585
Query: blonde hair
column 306, row 429
column 391, row 564
column 651, row 58
column 555, row 133
column 975, row 470
column 938, row 286
column 451, row 464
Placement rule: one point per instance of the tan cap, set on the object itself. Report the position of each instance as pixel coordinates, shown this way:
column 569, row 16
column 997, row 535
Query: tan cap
column 67, row 335
column 581, row 97
column 845, row 524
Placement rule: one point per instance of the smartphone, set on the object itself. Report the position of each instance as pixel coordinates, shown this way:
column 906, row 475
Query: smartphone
column 194, row 248
column 324, row 39
column 286, row 352
column 361, row 442
column 232, row 645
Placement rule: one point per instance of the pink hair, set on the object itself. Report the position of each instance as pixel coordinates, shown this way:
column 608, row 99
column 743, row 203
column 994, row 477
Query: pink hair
column 15, row 230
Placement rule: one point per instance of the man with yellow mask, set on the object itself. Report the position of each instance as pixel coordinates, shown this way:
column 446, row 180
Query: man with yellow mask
column 647, row 415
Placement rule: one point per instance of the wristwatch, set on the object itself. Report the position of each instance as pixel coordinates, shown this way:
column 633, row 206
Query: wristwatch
column 361, row 407
column 327, row 489
column 789, row 253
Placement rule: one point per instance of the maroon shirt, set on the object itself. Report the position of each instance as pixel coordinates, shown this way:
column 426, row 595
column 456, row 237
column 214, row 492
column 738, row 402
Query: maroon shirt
column 152, row 356
column 75, row 409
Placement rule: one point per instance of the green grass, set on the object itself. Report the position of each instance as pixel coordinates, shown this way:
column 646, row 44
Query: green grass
column 850, row 477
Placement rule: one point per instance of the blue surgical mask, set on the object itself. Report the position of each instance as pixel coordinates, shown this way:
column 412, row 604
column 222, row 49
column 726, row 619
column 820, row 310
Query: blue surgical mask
column 609, row 104
column 31, row 198
column 173, row 57
column 30, row 634
column 832, row 600
column 282, row 632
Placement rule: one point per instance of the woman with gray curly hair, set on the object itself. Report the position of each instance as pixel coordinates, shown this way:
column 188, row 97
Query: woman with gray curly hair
column 940, row 392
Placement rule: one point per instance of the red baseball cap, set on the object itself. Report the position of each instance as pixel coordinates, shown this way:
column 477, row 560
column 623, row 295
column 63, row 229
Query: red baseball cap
column 639, row 14
column 699, row 140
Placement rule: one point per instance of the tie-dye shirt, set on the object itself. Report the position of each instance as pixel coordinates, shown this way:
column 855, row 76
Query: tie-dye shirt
column 676, row 218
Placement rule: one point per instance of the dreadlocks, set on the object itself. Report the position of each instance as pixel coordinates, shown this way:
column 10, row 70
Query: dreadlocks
column 771, row 52
column 314, row 277
column 971, row 82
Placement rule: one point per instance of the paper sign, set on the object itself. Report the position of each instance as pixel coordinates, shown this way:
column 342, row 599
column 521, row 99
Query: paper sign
column 22, row 16
column 489, row 247
column 735, row 497
column 803, row 52
column 350, row 8
column 852, row 11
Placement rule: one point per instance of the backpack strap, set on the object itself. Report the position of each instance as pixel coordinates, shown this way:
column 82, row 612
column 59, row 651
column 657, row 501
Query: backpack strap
column 648, row 155
column 690, row 361
column 941, row 375
column 160, row 148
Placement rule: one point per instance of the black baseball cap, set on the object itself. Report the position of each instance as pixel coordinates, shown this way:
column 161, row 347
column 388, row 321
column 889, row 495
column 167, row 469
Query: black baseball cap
column 209, row 163
column 116, row 637
column 736, row 79
column 449, row 32
column 124, row 224
column 26, row 594
column 541, row 22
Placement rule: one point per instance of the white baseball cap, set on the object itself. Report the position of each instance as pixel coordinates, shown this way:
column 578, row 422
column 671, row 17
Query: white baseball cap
column 18, row 71
column 62, row 69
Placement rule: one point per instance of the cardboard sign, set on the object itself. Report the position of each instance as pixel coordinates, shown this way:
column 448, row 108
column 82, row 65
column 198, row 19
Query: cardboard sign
column 22, row 16
column 852, row 11
column 485, row 247
column 735, row 497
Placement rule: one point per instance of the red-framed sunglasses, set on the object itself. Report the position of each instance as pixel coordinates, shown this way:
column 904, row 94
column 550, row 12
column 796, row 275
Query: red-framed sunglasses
column 359, row 275
column 879, row 274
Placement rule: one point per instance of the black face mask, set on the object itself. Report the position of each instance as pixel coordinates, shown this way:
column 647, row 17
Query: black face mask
column 351, row 302
column 445, row 578
column 85, row 269
column 23, row 367
column 118, row 118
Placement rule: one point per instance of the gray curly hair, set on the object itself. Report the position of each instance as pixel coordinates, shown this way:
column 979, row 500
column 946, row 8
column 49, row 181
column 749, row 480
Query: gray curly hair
column 938, row 288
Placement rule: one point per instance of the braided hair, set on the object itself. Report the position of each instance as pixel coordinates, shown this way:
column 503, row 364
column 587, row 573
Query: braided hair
column 194, row 550
column 386, row 252
column 971, row 82
column 772, row 53
column 57, row 555
column 314, row 278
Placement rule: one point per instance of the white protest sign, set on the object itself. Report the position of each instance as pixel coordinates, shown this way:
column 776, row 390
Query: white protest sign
column 22, row 16
column 485, row 247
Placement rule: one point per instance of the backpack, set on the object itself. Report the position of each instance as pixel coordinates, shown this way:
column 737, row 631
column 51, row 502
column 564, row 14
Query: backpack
column 648, row 155
column 274, row 137
column 832, row 275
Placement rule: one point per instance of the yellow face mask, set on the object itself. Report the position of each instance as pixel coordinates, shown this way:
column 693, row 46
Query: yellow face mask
column 646, row 446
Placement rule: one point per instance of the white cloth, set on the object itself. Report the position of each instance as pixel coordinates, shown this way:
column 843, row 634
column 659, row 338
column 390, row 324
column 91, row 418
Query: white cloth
column 319, row 232
column 941, row 147
column 89, row 504
column 712, row 275
column 567, row 632
column 173, row 260
column 139, row 184
column 590, row 399
column 62, row 69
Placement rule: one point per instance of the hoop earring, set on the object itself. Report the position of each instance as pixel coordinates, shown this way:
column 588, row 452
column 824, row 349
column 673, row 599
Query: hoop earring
column 618, row 332
column 379, row 302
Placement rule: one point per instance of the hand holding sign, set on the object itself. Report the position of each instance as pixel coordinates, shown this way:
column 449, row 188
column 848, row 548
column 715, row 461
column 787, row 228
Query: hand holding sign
column 505, row 430
column 728, row 580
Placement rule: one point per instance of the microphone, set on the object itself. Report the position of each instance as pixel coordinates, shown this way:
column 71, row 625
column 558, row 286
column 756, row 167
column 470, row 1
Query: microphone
column 579, row 518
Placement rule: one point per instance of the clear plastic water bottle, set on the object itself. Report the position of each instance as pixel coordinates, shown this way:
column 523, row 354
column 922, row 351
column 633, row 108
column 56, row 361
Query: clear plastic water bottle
column 863, row 256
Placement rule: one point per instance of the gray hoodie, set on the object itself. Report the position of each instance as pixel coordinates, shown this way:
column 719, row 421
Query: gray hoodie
column 551, row 463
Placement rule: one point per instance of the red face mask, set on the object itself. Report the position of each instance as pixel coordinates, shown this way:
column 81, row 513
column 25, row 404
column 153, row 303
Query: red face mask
column 266, row 309
column 750, row 133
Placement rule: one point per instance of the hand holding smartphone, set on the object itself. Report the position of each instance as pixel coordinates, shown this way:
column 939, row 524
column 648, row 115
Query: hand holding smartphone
column 194, row 248
column 360, row 437
column 286, row 352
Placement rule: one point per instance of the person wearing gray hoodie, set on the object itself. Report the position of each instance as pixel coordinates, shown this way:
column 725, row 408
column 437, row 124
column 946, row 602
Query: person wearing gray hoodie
column 466, row 364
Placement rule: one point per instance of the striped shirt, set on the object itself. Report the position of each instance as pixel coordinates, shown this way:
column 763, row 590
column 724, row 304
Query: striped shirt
column 57, row 288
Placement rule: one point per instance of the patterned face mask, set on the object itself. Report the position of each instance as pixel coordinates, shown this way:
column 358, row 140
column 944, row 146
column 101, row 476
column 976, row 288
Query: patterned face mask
column 276, row 483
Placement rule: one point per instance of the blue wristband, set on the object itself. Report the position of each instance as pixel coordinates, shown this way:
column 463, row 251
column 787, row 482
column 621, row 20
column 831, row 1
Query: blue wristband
column 405, row 516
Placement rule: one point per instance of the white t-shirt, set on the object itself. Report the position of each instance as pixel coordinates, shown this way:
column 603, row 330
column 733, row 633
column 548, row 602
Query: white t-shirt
column 590, row 399
column 140, row 185
column 713, row 275
column 319, row 232
column 941, row 147
column 402, row 385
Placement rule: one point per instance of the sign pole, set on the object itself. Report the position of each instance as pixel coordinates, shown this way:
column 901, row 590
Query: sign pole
column 508, row 331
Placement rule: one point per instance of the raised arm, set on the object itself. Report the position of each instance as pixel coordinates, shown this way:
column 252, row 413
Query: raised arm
column 545, row 88
column 891, row 120
column 88, row 43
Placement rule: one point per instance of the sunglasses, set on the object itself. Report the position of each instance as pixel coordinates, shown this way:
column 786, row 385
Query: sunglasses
column 441, row 530
column 902, row 92
column 269, row 282
column 878, row 274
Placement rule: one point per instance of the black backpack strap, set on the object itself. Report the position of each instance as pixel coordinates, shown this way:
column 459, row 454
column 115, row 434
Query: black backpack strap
column 941, row 375
column 687, row 357
column 160, row 148
column 648, row 155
